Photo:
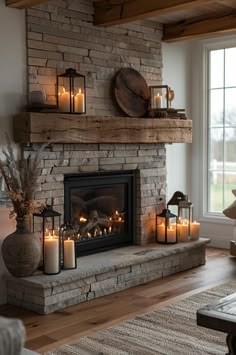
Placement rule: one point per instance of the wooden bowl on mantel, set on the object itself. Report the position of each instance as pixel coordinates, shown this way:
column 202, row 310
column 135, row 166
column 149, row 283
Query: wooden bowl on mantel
column 131, row 92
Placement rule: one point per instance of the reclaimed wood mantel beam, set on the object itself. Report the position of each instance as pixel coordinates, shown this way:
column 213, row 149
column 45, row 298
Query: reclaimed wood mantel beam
column 114, row 12
column 199, row 27
column 23, row 4
column 33, row 127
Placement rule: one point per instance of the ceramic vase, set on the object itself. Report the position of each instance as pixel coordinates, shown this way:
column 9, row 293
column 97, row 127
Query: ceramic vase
column 21, row 250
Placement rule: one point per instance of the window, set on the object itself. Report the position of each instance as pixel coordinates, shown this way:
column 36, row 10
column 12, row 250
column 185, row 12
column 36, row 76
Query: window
column 221, row 128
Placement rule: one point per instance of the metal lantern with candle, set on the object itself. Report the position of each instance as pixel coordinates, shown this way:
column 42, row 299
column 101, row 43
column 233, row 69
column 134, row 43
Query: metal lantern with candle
column 166, row 227
column 185, row 213
column 159, row 97
column 71, row 92
column 50, row 223
column 68, row 238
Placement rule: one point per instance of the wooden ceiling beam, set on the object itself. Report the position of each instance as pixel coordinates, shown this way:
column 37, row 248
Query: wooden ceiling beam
column 23, row 4
column 200, row 27
column 114, row 12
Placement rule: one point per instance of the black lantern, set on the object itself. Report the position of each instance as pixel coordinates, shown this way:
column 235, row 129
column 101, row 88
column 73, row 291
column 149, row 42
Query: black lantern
column 71, row 92
column 51, row 240
column 185, row 212
column 166, row 227
column 159, row 97
column 68, row 237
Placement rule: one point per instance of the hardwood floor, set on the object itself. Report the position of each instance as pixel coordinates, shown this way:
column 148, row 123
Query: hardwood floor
column 46, row 332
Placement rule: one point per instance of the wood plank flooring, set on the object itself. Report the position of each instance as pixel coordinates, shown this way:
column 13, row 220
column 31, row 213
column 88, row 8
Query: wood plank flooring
column 46, row 332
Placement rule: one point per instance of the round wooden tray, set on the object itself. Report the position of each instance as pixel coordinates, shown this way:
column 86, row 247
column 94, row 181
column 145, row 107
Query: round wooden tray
column 131, row 92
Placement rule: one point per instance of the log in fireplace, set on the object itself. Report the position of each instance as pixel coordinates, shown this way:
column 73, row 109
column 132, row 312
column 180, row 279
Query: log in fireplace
column 101, row 208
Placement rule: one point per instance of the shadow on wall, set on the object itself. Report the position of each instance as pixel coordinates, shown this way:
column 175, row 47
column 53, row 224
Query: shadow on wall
column 7, row 226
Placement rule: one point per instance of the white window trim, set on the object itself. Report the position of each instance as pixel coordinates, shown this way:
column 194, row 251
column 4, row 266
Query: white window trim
column 200, row 63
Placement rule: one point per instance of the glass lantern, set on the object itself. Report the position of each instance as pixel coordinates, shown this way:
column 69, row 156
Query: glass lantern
column 159, row 97
column 185, row 213
column 50, row 224
column 68, row 238
column 166, row 227
column 71, row 92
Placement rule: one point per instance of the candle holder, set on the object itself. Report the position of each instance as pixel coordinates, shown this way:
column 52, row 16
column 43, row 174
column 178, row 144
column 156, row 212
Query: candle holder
column 184, row 212
column 166, row 227
column 159, row 97
column 171, row 96
column 68, row 238
column 71, row 92
column 50, row 221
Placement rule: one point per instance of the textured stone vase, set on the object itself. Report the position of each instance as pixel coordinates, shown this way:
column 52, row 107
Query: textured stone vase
column 21, row 250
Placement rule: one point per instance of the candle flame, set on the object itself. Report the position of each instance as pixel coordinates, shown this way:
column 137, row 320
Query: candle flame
column 83, row 220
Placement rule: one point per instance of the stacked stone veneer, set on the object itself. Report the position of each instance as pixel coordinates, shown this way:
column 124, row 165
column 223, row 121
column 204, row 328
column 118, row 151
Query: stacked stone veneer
column 148, row 161
column 102, row 274
column 61, row 34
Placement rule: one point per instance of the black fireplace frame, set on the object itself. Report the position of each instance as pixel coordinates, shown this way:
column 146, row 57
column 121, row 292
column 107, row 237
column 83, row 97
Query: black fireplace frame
column 127, row 177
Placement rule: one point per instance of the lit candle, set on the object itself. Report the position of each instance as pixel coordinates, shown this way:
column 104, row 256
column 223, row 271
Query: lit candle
column 64, row 101
column 69, row 254
column 194, row 231
column 161, row 232
column 83, row 220
column 182, row 230
column 158, row 101
column 51, row 254
column 171, row 235
column 79, row 102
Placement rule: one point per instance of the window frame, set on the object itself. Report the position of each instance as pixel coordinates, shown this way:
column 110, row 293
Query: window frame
column 203, row 128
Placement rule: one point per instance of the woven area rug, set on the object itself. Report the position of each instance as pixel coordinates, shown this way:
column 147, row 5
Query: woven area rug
column 168, row 331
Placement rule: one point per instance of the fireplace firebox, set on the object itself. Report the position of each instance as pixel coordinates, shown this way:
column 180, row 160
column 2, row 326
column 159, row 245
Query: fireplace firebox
column 101, row 208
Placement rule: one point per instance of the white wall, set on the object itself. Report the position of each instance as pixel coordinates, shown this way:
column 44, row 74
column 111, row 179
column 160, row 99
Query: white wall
column 12, row 94
column 177, row 74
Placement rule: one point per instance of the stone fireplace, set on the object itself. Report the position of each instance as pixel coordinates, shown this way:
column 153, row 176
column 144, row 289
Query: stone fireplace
column 143, row 164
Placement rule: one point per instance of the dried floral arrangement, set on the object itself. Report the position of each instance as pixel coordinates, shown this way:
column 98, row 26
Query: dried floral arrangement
column 21, row 178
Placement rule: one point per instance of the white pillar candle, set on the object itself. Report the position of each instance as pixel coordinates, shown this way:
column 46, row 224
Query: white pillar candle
column 51, row 254
column 64, row 101
column 158, row 101
column 194, row 230
column 171, row 235
column 79, row 102
column 161, row 232
column 69, row 254
column 182, row 232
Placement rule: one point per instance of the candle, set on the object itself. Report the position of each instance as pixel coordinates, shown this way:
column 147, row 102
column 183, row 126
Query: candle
column 182, row 230
column 171, row 235
column 69, row 254
column 64, row 101
column 194, row 231
column 79, row 102
column 51, row 254
column 158, row 101
column 161, row 232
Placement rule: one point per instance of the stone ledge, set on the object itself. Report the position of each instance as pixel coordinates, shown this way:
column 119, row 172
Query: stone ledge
column 104, row 273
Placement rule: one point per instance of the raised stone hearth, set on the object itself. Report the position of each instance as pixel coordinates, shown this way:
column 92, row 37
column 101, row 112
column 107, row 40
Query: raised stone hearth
column 104, row 273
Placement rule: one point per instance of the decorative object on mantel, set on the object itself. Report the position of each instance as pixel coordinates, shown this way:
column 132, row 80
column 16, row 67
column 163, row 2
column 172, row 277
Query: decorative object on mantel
column 21, row 250
column 68, row 237
column 131, row 92
column 50, row 238
column 166, row 227
column 71, row 92
column 171, row 96
column 167, row 113
column 230, row 212
column 159, row 97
